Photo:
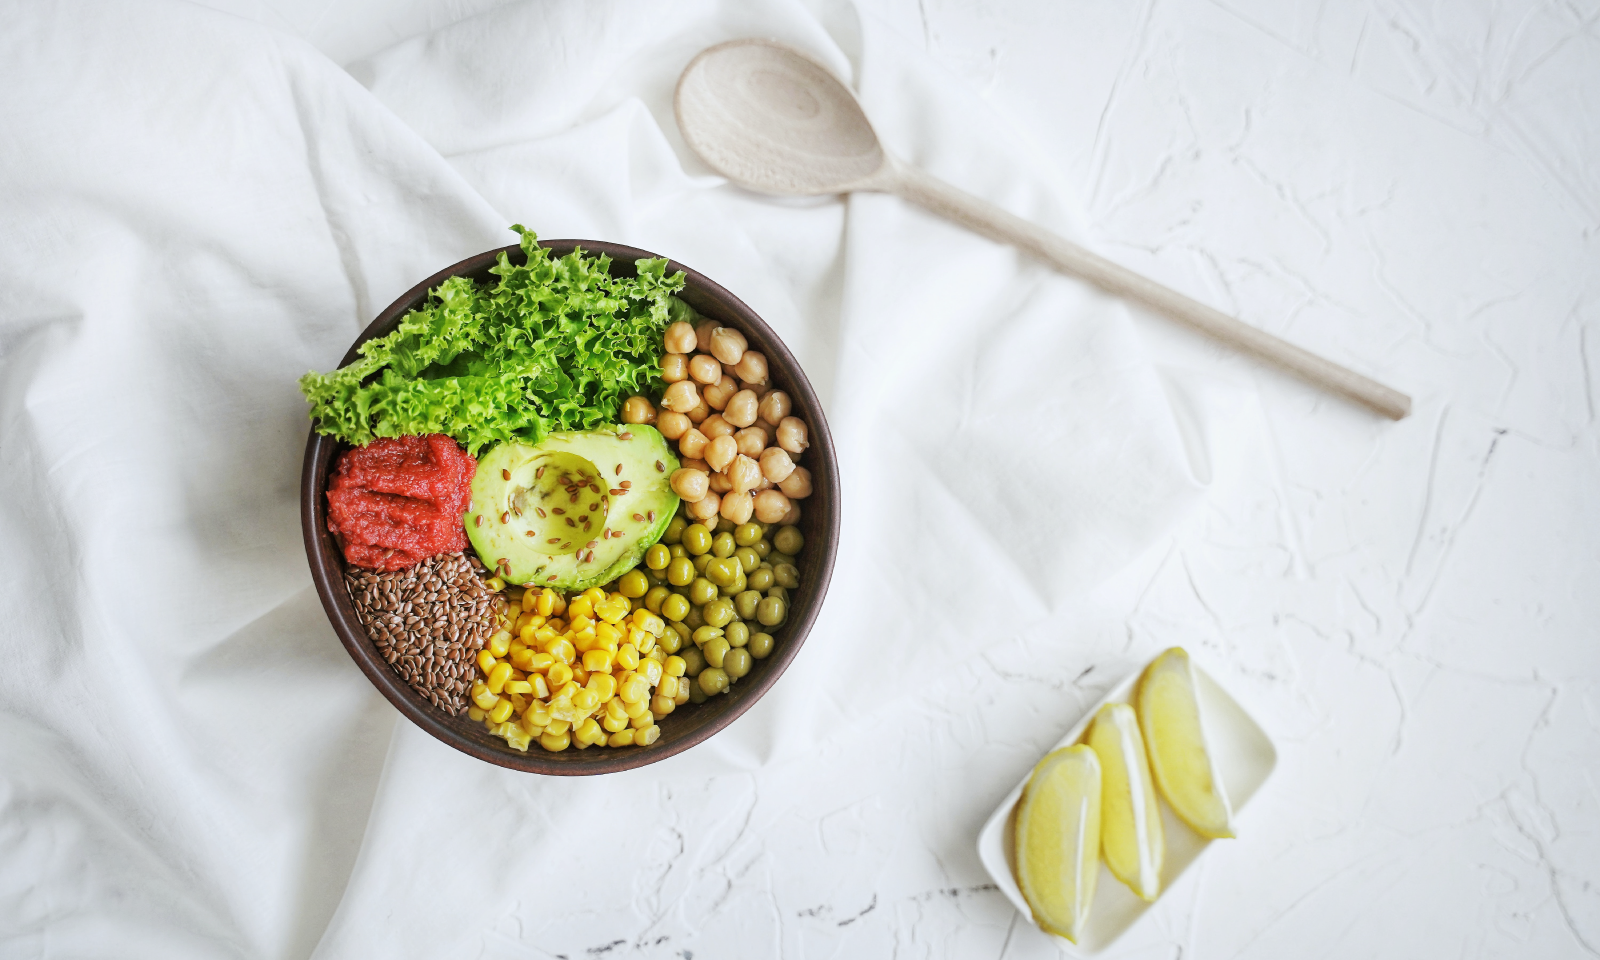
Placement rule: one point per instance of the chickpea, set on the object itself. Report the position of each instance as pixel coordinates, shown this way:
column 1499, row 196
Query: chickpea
column 720, row 483
column 681, row 396
column 762, row 484
column 771, row 506
column 727, row 344
column 798, row 484
column 692, row 444
column 705, row 369
column 674, row 367
column 741, row 409
column 792, row 435
column 672, row 424
column 702, row 335
column 692, row 464
column 716, row 426
column 679, row 338
column 776, row 464
column 638, row 410
column 752, row 367
column 743, row 473
column 691, row 485
column 774, row 407
column 752, row 440
column 737, row 507
column 700, row 411
column 705, row 508
column 793, row 516
column 721, row 451
column 719, row 393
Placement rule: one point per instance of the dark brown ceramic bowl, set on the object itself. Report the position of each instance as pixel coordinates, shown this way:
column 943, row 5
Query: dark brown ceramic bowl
column 689, row 724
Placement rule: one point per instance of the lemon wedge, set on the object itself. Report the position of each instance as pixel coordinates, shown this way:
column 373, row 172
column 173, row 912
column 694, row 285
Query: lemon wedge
column 1058, row 839
column 1130, row 824
column 1169, row 712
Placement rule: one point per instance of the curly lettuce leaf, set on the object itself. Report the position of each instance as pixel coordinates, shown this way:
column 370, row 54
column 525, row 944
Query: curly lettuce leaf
column 554, row 344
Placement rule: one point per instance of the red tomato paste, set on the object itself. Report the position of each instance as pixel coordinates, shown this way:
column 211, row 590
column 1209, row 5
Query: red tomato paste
column 399, row 500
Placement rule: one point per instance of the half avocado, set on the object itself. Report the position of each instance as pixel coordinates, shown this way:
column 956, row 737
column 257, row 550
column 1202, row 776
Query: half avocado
column 577, row 510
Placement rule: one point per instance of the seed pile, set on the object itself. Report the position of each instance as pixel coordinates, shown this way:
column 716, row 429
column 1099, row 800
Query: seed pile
column 429, row 622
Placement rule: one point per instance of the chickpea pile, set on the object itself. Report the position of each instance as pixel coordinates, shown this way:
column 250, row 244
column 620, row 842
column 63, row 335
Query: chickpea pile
column 739, row 439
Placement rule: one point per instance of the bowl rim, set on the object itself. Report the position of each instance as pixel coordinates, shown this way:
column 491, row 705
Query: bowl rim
column 327, row 563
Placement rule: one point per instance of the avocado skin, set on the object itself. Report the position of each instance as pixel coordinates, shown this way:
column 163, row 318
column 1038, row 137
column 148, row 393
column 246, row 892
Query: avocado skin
column 510, row 490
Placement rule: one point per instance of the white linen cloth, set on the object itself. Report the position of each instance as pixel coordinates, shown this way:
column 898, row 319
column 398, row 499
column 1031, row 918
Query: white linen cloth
column 199, row 209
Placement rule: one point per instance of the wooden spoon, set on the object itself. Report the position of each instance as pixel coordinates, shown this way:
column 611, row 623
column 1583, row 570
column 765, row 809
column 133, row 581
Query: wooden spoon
column 772, row 120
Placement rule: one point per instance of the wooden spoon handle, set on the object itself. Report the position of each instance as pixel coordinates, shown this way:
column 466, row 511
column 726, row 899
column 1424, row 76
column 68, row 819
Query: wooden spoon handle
column 984, row 217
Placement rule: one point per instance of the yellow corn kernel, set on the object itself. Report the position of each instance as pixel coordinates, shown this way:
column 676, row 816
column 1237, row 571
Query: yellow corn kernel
column 661, row 705
column 485, row 661
column 594, row 595
column 668, row 687
column 586, row 700
column 633, row 690
column 516, row 646
column 566, row 690
column 538, row 713
column 529, row 727
column 501, row 711
column 546, row 634
column 647, row 736
column 597, row 661
column 676, row 666
column 523, row 659
column 646, row 643
column 683, row 692
column 495, row 584
column 499, row 643
column 589, row 731
column 614, row 708
column 580, row 675
column 558, row 674
column 644, row 719
column 557, row 726
column 604, row 685
column 530, row 599
column 612, row 724
column 541, row 689
column 527, row 633
column 607, row 636
column 636, row 709
column 628, row 656
column 581, row 607
column 482, row 696
column 621, row 738
column 651, row 671
column 475, row 713
column 498, row 675
column 554, row 742
column 518, row 686
column 583, row 643
column 540, row 662
column 545, row 602
column 562, row 650
column 610, row 611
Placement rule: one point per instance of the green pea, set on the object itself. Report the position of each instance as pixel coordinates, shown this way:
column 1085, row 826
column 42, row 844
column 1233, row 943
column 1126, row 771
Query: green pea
column 658, row 556
column 696, row 695
column 777, row 556
column 702, row 591
column 707, row 632
column 748, row 559
column 723, row 546
column 762, row 547
column 787, row 575
column 712, row 680
column 718, row 613
column 761, row 578
column 670, row 641
column 760, row 645
column 653, row 599
column 694, row 661
column 633, row 584
column 724, row 524
column 737, row 584
column 677, row 551
column 780, row 593
column 745, row 603
column 680, row 572
column 657, row 577
column 696, row 618
column 771, row 611
column 676, row 607
column 746, row 534
column 738, row 633
column 789, row 540
column 701, row 561
column 720, row 572
column 681, row 630
column 674, row 531
column 736, row 663
column 696, row 539
column 715, row 649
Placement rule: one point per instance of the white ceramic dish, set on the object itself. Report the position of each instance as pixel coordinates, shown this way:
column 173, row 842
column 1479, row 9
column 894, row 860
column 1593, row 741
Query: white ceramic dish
column 1245, row 758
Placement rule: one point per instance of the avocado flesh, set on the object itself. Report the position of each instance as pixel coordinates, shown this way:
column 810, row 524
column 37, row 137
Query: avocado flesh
column 549, row 515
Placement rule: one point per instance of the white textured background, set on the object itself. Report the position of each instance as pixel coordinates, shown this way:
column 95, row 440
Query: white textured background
column 1412, row 610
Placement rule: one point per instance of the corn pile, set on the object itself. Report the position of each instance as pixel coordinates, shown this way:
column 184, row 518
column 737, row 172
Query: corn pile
column 585, row 672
